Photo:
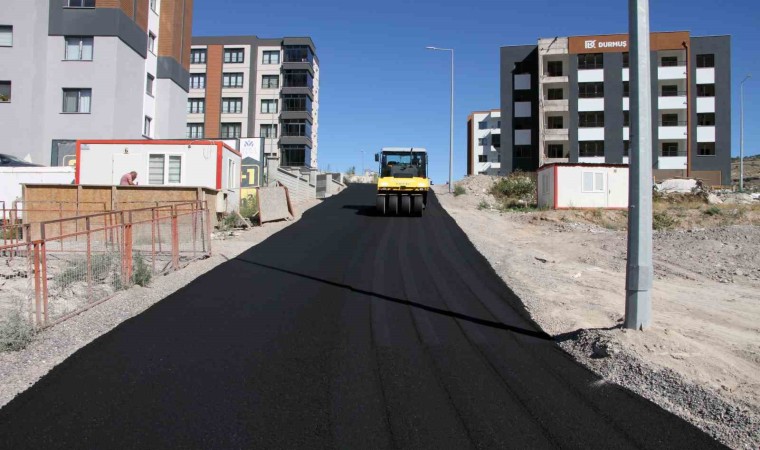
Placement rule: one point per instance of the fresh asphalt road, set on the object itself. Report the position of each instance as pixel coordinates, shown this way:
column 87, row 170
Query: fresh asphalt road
column 344, row 330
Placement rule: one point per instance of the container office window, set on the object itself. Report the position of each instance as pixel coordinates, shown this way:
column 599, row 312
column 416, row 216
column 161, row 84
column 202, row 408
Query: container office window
column 554, row 123
column 591, row 119
column 482, row 158
column 149, row 84
column 198, row 81
column 198, row 56
column 194, row 130
column 147, row 126
column 232, row 80
column 78, row 48
column 593, row 182
column 590, row 61
column 152, row 43
column 269, row 106
column 231, row 130
column 626, row 59
column 590, row 90
column 175, row 169
column 77, row 101
column 555, row 94
column 669, row 149
column 5, row 91
column 270, row 81
column 271, row 57
column 81, row 3
column 268, row 131
column 156, row 166
column 6, row 35
column 706, row 149
column 670, row 120
column 705, row 90
column 591, row 149
column 706, row 119
column 668, row 61
column 705, row 60
column 626, row 89
column 196, row 105
column 555, row 151
column 234, row 56
column 522, row 151
column 554, row 68
column 669, row 90
column 232, row 105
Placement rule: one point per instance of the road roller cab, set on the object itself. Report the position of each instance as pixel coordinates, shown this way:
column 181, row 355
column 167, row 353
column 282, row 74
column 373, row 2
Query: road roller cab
column 403, row 183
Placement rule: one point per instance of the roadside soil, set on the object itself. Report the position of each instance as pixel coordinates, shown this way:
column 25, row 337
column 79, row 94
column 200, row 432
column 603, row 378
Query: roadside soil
column 701, row 357
column 21, row 369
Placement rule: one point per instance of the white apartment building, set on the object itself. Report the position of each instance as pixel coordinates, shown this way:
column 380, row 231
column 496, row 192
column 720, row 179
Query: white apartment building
column 484, row 142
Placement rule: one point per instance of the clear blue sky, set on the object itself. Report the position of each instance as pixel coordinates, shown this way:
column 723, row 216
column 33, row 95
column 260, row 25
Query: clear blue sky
column 380, row 87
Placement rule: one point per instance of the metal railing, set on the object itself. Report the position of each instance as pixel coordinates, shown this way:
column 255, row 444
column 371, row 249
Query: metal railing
column 65, row 266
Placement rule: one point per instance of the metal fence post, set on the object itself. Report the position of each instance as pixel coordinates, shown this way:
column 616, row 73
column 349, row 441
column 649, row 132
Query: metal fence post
column 128, row 248
column 175, row 239
column 37, row 285
column 89, row 259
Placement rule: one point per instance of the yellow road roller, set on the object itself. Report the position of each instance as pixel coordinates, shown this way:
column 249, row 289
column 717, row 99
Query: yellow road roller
column 402, row 184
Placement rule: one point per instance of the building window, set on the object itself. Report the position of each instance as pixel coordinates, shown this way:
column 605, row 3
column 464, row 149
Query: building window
column 77, row 100
column 268, row 131
column 496, row 140
column 705, row 90
column 521, row 95
column 589, row 149
column 706, row 119
column 591, row 119
column 232, row 105
column 147, row 126
column 298, row 53
column 555, row 123
column 590, row 61
column 482, row 158
column 78, row 48
column 160, row 173
column 593, row 182
column 554, row 68
column 149, row 84
column 555, row 94
column 232, row 80
column 231, row 130
column 197, row 81
column 706, row 149
column 521, row 151
column 626, row 148
column 270, row 81
column 81, row 3
column 153, row 5
column 555, row 151
column 482, row 141
column 626, row 118
column 705, row 61
column 669, row 120
column 293, row 155
column 626, row 59
column 152, row 43
column 669, row 149
column 196, row 105
column 198, row 56
column 234, row 56
column 5, row 91
column 669, row 90
column 482, row 125
column 523, row 123
column 194, row 130
column 626, row 89
column 271, row 57
column 296, row 102
column 668, row 61
column 6, row 35
column 296, row 127
column 590, row 90
column 269, row 106
column 498, row 124
column 296, row 78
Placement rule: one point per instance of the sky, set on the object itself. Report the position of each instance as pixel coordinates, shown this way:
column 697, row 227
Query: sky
column 379, row 87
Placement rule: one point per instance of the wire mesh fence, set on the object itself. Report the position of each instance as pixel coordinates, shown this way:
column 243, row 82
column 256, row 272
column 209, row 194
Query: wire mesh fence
column 68, row 265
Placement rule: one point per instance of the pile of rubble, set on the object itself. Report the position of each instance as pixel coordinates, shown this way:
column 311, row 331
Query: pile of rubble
column 681, row 186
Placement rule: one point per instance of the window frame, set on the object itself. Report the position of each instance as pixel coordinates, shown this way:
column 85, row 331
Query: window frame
column 482, row 158
column 165, row 179
column 584, row 119
column 701, row 152
column 594, row 89
column 705, row 123
column 228, row 76
column 82, row 4
column 150, row 84
column 269, row 127
column 10, row 28
column 198, row 51
column 10, row 90
column 551, row 122
column 269, row 101
column 270, row 53
column 269, row 78
column 666, row 149
column 238, row 126
column 230, row 101
column 152, row 42
column 550, row 147
column 705, row 61
column 522, row 151
column 595, row 151
column 81, row 48
column 551, row 73
column 197, row 101
column 235, row 51
column 147, row 126
column 195, row 126
column 594, row 188
column 590, row 61
column 202, row 77
column 549, row 92
column 706, row 90
column 79, row 92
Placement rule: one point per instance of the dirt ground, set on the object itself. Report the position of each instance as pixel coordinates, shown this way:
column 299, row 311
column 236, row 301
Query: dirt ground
column 701, row 357
column 751, row 172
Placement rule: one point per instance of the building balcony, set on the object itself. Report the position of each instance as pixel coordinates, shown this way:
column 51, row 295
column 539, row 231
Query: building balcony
column 671, row 73
column 295, row 140
column 548, row 79
column 299, row 65
column 299, row 90
column 675, row 102
column 301, row 115
column 556, row 105
column 556, row 134
column 672, row 132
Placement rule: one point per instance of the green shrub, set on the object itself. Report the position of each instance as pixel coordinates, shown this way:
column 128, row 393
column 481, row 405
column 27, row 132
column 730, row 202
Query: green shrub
column 15, row 332
column 459, row 190
column 662, row 221
column 141, row 273
column 713, row 211
column 102, row 266
column 516, row 189
column 483, row 205
column 249, row 207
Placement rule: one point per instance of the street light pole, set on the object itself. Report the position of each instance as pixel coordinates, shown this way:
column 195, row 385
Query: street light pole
column 451, row 125
column 741, row 134
column 639, row 270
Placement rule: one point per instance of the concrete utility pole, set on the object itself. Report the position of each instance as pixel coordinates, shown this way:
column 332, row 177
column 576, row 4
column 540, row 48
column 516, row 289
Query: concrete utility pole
column 639, row 271
column 741, row 134
column 451, row 135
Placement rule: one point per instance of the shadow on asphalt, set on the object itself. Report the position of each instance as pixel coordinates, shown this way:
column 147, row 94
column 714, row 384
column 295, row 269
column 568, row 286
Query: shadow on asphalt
column 487, row 323
column 362, row 210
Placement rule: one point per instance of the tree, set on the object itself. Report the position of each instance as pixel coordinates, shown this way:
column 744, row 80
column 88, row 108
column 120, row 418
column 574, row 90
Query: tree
column 351, row 171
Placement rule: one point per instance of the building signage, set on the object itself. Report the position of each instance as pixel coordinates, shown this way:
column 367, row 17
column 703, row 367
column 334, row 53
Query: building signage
column 251, row 148
column 592, row 44
column 620, row 42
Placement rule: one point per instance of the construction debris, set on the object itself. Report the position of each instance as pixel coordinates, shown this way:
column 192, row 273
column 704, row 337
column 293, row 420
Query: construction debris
column 274, row 204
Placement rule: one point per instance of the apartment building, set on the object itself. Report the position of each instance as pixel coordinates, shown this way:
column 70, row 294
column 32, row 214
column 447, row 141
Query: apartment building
column 566, row 99
column 245, row 87
column 87, row 69
column 484, row 142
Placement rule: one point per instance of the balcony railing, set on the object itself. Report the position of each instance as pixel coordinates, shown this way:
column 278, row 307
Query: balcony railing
column 672, row 63
column 669, row 154
column 672, row 93
column 673, row 123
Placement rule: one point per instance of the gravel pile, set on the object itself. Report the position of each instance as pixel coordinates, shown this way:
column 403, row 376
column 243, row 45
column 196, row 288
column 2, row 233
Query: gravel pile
column 601, row 351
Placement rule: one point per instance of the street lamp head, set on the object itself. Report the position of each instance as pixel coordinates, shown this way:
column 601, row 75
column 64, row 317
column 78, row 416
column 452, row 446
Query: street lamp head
column 749, row 75
column 431, row 48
